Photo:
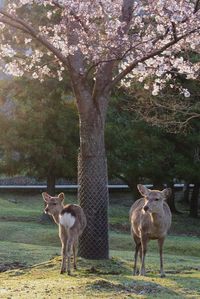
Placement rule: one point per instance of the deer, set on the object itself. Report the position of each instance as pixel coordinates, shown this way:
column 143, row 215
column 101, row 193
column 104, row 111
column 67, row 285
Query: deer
column 71, row 221
column 150, row 219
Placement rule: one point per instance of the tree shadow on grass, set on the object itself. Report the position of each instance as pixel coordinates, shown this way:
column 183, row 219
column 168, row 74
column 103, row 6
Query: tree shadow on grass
column 112, row 266
column 188, row 280
column 12, row 266
column 113, row 276
column 128, row 287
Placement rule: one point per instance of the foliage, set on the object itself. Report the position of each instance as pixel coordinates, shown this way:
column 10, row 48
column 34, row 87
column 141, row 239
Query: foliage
column 114, row 31
column 139, row 152
column 35, row 139
column 136, row 151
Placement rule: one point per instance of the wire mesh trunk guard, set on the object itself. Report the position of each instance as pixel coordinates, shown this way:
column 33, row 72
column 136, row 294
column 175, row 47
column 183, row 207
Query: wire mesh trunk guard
column 93, row 198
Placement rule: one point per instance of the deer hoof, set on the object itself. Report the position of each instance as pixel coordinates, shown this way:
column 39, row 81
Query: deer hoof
column 69, row 272
column 162, row 275
column 135, row 272
column 142, row 273
column 62, row 271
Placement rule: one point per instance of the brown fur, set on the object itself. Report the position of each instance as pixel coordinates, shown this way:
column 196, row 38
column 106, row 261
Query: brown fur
column 68, row 237
column 69, row 209
column 150, row 220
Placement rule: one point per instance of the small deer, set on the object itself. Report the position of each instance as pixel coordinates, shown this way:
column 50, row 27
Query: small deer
column 71, row 220
column 150, row 218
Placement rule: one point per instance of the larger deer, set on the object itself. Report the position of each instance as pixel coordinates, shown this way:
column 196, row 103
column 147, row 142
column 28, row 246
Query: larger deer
column 71, row 220
column 150, row 218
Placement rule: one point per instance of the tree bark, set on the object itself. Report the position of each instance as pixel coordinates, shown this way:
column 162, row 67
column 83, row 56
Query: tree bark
column 93, row 185
column 158, row 184
column 51, row 191
column 171, row 199
column 133, row 187
column 51, row 182
column 186, row 193
column 194, row 200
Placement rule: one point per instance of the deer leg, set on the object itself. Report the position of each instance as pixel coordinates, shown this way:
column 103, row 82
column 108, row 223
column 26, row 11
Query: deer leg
column 140, row 249
column 137, row 247
column 75, row 249
column 63, row 252
column 160, row 244
column 144, row 241
column 69, row 247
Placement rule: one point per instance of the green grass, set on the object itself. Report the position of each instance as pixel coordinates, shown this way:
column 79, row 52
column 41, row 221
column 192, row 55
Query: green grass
column 24, row 239
column 27, row 253
column 30, row 233
column 179, row 245
column 98, row 279
column 22, row 205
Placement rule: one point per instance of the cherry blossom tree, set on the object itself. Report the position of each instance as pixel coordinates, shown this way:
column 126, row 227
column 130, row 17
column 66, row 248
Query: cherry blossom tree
column 100, row 43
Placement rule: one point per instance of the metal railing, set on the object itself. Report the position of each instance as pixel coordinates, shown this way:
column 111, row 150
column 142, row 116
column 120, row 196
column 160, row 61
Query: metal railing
column 43, row 186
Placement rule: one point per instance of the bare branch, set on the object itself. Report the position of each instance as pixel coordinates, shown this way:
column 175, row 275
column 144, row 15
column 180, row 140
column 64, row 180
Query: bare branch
column 167, row 110
column 195, row 115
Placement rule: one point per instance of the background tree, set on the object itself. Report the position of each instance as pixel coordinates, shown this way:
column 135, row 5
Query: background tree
column 35, row 140
column 99, row 44
column 187, row 164
column 138, row 151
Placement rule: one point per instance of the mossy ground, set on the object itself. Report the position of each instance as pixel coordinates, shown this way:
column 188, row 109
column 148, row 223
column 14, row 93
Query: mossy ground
column 33, row 250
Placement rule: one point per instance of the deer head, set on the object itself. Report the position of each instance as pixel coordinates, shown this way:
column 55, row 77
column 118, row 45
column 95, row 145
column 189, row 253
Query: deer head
column 153, row 198
column 54, row 204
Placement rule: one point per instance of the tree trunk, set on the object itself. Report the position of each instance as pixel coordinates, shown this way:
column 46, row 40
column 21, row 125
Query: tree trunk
column 51, row 191
column 157, row 184
column 133, row 187
column 51, row 182
column 93, row 186
column 194, row 200
column 171, row 199
column 186, row 193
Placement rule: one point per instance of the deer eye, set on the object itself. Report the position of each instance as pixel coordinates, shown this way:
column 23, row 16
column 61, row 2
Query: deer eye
column 54, row 204
column 156, row 199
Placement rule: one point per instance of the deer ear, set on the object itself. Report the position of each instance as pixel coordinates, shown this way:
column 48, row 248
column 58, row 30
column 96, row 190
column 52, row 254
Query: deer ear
column 144, row 191
column 61, row 196
column 46, row 196
column 167, row 192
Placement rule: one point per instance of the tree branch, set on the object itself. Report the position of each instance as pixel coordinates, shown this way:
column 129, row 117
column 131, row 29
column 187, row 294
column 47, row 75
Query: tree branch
column 196, row 7
column 143, row 59
column 27, row 28
column 77, row 18
column 174, row 31
column 13, row 24
column 104, row 73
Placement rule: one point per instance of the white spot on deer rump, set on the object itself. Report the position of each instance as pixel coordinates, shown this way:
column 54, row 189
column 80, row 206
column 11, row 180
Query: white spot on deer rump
column 67, row 220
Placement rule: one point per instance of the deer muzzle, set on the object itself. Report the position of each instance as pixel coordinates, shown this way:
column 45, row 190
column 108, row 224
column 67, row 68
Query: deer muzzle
column 46, row 210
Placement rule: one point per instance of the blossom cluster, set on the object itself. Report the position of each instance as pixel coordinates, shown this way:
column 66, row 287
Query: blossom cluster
column 154, row 36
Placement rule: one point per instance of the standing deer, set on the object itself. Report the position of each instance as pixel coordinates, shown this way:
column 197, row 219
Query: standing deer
column 150, row 218
column 71, row 220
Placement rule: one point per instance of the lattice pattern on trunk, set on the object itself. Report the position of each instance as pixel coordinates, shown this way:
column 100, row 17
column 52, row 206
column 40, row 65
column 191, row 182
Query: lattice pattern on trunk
column 93, row 198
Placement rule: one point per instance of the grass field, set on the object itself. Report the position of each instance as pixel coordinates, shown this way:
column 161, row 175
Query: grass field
column 30, row 251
